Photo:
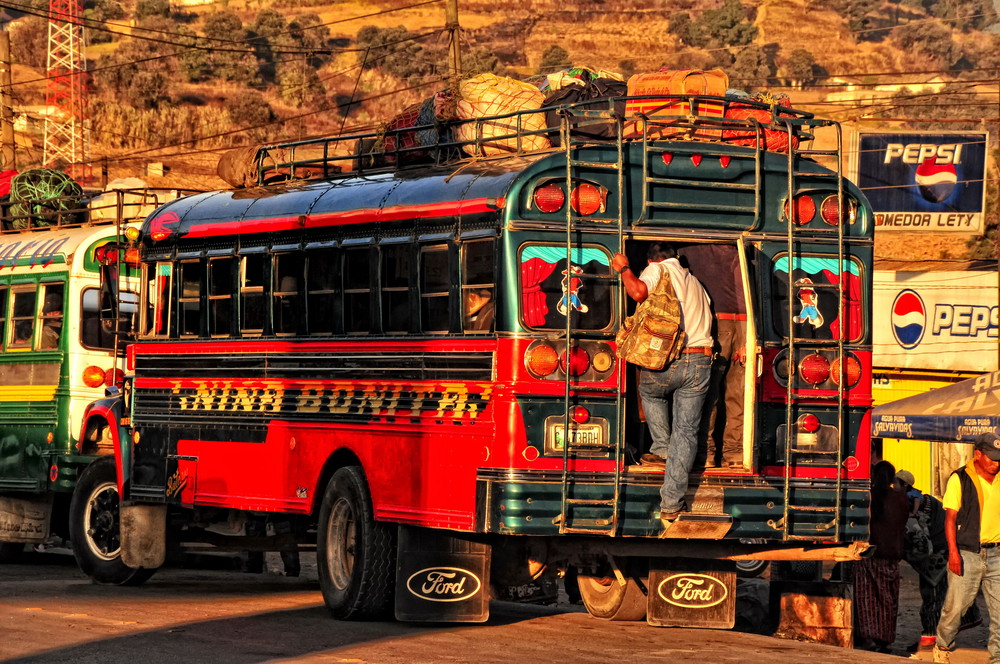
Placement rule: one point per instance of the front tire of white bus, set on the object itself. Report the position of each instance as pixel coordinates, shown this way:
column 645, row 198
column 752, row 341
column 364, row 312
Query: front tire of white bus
column 356, row 556
column 94, row 527
column 607, row 599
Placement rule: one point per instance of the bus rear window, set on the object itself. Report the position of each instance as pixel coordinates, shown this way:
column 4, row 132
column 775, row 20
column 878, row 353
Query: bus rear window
column 814, row 311
column 551, row 290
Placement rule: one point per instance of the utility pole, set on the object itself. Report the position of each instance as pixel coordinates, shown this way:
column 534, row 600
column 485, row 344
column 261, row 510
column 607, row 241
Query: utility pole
column 6, row 111
column 454, row 52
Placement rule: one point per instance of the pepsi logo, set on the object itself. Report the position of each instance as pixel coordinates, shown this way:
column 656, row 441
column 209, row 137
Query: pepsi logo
column 443, row 584
column 936, row 182
column 909, row 319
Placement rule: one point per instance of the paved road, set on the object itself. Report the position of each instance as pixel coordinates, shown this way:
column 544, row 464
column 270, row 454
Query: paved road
column 49, row 612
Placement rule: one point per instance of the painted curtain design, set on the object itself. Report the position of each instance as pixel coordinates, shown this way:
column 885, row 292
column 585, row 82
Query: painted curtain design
column 550, row 291
column 815, row 282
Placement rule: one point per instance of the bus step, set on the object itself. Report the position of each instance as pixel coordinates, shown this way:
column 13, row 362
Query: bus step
column 806, row 450
column 803, row 538
column 575, row 530
column 810, row 508
column 813, row 397
column 590, row 501
column 594, row 164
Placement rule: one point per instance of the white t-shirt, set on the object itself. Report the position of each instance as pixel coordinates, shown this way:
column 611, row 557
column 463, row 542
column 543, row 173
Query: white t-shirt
column 696, row 310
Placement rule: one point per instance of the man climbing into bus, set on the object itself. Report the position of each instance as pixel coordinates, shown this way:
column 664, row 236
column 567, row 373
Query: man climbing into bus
column 682, row 383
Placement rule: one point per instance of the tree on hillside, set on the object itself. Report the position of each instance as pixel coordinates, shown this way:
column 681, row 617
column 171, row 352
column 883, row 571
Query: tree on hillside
column 29, row 41
column 554, row 58
column 963, row 15
column 751, row 68
column 268, row 33
column 298, row 83
column 250, row 111
column 728, row 25
column 481, row 61
column 680, row 26
column 306, row 32
column 931, row 40
column 134, row 75
column 152, row 9
column 392, row 50
column 194, row 63
column 228, row 60
column 862, row 17
column 100, row 12
column 800, row 67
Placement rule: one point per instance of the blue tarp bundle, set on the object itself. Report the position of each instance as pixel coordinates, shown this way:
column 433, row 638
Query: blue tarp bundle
column 959, row 412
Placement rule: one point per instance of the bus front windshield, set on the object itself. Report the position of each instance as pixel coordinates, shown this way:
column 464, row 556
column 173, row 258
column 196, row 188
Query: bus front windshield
column 552, row 288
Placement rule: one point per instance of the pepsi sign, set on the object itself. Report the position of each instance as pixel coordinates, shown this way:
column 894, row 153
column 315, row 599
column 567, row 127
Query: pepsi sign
column 928, row 182
column 936, row 319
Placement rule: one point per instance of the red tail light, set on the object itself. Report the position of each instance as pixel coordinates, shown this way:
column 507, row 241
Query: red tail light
column 579, row 361
column 93, row 376
column 586, row 199
column 802, row 210
column 808, row 423
column 542, row 360
column 113, row 377
column 549, row 198
column 828, row 211
column 814, row 369
column 581, row 415
column 851, row 372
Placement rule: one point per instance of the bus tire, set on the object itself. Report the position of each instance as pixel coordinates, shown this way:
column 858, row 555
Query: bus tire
column 355, row 555
column 607, row 599
column 10, row 552
column 94, row 529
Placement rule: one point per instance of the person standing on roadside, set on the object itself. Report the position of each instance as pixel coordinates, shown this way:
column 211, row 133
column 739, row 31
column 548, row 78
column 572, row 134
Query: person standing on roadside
column 876, row 579
column 972, row 528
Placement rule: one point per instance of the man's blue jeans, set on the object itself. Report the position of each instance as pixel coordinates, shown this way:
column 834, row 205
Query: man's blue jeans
column 979, row 570
column 684, row 385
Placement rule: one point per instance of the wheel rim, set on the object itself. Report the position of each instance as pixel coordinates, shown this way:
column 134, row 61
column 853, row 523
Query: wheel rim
column 341, row 537
column 100, row 522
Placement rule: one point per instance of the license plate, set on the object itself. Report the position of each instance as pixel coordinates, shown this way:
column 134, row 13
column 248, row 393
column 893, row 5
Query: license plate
column 581, row 435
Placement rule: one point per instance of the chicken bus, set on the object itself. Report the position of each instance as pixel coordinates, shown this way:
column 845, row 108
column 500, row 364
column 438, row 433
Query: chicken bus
column 406, row 355
column 57, row 355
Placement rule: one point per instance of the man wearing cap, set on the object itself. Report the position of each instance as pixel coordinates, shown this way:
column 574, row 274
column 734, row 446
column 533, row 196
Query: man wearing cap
column 926, row 550
column 972, row 528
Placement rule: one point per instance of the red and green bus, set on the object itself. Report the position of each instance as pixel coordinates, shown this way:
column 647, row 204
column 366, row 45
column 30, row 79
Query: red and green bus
column 318, row 351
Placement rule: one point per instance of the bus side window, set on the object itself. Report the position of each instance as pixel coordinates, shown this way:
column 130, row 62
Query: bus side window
column 23, row 317
column 478, row 281
column 158, row 301
column 434, row 285
column 220, row 297
column 321, row 291
column 52, row 315
column 252, row 310
column 395, row 287
column 357, row 291
column 190, row 297
column 287, row 281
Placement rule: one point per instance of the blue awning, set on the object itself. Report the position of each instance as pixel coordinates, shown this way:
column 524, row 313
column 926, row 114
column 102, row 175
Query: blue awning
column 957, row 413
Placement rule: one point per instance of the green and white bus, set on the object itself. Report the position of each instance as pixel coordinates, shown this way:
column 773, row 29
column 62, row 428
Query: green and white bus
column 56, row 357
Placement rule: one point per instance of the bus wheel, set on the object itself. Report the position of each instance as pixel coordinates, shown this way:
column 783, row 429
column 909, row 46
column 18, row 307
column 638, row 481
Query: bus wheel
column 10, row 552
column 93, row 527
column 356, row 556
column 607, row 599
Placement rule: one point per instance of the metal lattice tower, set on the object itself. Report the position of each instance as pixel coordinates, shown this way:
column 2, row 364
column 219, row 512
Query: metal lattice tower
column 67, row 140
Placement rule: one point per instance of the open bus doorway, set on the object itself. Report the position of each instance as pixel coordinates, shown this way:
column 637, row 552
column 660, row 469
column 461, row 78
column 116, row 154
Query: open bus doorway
column 722, row 433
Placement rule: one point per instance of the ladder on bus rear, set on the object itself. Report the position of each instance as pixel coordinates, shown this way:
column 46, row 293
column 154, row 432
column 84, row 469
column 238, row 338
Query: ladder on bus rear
column 580, row 512
column 826, row 518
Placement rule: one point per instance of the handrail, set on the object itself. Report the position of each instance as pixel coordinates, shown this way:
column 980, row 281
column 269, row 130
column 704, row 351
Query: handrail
column 357, row 153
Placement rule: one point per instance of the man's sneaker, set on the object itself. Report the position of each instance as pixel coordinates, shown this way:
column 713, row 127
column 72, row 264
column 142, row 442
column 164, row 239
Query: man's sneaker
column 942, row 655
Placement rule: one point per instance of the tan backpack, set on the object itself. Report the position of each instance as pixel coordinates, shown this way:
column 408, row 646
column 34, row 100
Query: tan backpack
column 653, row 336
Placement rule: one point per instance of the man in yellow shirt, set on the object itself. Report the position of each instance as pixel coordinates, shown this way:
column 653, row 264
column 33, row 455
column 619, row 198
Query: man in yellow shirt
column 972, row 528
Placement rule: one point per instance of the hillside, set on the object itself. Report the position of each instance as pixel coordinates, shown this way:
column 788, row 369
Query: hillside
column 183, row 107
